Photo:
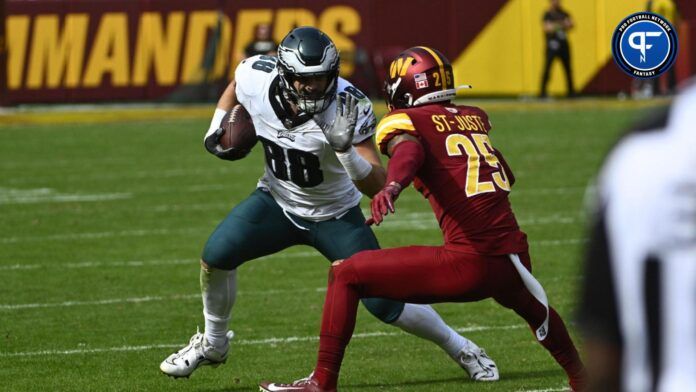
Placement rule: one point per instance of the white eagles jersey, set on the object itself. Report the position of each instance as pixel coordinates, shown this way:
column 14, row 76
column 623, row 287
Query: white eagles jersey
column 302, row 171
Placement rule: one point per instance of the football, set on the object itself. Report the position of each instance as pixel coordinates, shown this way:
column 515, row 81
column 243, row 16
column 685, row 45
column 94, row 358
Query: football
column 239, row 129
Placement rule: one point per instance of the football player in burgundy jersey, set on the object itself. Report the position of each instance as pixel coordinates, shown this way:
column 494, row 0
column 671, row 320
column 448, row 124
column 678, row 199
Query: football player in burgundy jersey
column 444, row 149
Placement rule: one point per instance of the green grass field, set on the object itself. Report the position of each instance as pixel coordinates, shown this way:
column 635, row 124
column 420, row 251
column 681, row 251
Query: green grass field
column 103, row 221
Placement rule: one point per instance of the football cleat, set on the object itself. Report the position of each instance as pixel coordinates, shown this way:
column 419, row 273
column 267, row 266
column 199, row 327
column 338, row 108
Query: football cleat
column 308, row 384
column 197, row 353
column 479, row 366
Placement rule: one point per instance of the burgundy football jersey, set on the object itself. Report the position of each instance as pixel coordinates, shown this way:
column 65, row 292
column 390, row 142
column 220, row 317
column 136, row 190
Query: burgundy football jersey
column 463, row 177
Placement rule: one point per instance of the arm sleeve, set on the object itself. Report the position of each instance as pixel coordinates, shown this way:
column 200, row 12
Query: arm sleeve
column 407, row 158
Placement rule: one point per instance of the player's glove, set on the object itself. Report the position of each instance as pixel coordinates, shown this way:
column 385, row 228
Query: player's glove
column 212, row 144
column 339, row 134
column 383, row 202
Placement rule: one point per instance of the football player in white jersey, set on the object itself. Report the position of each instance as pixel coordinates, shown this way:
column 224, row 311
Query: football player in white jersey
column 316, row 130
column 638, row 303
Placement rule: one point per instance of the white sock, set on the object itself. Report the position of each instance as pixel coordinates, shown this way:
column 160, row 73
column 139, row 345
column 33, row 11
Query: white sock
column 424, row 322
column 219, row 290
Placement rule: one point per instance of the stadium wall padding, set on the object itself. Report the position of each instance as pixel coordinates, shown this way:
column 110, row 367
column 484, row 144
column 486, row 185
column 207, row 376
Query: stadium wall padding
column 137, row 50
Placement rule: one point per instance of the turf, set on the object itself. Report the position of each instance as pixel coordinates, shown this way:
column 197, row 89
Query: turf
column 103, row 221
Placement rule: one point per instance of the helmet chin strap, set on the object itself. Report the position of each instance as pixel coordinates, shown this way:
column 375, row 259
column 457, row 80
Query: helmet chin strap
column 438, row 96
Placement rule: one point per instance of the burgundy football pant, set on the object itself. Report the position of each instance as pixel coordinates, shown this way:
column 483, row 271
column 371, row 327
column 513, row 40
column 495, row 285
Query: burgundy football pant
column 429, row 274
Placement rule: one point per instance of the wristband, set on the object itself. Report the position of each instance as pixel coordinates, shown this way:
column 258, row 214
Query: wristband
column 215, row 123
column 356, row 166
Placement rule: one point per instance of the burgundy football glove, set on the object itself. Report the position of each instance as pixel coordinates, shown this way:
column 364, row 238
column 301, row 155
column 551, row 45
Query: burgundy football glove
column 383, row 202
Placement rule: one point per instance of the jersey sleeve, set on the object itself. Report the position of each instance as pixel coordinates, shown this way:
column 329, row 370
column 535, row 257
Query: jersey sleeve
column 393, row 124
column 249, row 78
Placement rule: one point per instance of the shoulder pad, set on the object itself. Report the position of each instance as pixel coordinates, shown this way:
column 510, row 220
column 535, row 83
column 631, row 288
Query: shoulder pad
column 393, row 124
column 253, row 73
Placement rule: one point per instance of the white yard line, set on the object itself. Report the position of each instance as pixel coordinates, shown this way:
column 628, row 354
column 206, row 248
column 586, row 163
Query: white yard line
column 96, row 235
column 549, row 220
column 550, row 191
column 250, row 342
column 139, row 263
column 72, row 198
column 569, row 241
column 407, row 221
column 98, row 302
column 148, row 263
column 49, row 195
column 227, row 206
column 391, row 226
column 84, row 351
column 428, row 223
column 154, row 298
column 96, row 264
column 65, row 198
column 560, row 389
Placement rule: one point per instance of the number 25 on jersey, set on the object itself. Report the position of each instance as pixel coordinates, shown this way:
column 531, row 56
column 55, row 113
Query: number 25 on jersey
column 458, row 144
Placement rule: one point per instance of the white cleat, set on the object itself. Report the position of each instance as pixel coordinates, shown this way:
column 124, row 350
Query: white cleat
column 197, row 353
column 307, row 384
column 479, row 366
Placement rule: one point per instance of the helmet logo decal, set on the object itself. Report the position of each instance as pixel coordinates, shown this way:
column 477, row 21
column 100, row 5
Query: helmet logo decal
column 400, row 66
column 293, row 61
